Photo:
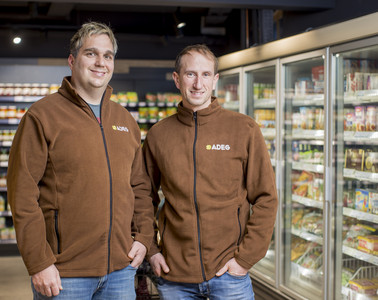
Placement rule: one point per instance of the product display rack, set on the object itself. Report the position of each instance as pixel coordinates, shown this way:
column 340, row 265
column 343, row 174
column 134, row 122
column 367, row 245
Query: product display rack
column 324, row 133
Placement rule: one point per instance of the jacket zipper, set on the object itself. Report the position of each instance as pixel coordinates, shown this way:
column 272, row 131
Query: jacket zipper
column 240, row 230
column 195, row 195
column 110, row 180
column 57, row 232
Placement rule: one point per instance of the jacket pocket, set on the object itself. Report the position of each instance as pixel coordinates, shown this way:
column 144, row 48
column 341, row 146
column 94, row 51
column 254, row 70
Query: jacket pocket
column 162, row 231
column 57, row 232
column 240, row 228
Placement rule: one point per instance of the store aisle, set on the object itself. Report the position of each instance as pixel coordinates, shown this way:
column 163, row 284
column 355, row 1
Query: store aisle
column 14, row 279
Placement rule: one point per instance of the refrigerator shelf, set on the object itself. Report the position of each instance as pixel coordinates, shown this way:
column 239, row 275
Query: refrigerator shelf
column 310, row 237
column 360, row 175
column 265, row 103
column 370, row 137
column 307, row 201
column 308, row 167
column 361, row 97
column 269, row 133
column 360, row 215
column 307, row 134
column 360, row 255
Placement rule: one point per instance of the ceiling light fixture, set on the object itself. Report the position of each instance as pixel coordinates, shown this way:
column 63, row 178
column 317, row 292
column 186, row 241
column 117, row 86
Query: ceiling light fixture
column 17, row 40
column 181, row 25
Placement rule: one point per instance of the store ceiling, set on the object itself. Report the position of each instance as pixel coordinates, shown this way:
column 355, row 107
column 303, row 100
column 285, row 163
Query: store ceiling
column 139, row 16
column 219, row 20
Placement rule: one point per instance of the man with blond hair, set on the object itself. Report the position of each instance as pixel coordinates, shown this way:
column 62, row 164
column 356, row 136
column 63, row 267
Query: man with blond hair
column 77, row 186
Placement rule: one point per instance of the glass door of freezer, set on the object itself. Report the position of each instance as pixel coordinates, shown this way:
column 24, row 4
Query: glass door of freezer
column 356, row 169
column 261, row 99
column 303, row 173
column 228, row 89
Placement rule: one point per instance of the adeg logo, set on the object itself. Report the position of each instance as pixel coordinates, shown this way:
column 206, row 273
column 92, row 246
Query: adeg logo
column 219, row 147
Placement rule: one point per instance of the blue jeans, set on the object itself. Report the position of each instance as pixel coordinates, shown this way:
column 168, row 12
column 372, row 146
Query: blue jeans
column 114, row 286
column 225, row 287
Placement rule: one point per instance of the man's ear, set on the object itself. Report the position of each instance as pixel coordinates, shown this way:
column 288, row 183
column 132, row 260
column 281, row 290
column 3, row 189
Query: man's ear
column 71, row 60
column 176, row 79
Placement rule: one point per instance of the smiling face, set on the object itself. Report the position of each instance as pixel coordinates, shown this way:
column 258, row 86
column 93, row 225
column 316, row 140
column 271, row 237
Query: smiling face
column 93, row 66
column 196, row 80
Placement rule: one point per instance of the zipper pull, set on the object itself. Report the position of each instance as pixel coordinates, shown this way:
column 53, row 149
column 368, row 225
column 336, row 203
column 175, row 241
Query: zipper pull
column 195, row 116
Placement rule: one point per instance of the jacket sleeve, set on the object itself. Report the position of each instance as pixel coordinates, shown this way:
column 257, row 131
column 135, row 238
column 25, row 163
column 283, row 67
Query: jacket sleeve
column 262, row 195
column 143, row 230
column 27, row 163
column 154, row 175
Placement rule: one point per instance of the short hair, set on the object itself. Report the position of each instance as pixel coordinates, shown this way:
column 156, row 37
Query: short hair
column 201, row 48
column 87, row 30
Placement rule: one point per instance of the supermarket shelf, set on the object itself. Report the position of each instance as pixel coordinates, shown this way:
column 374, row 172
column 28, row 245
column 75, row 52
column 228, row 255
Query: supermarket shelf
column 362, row 176
column 307, row 201
column 231, row 105
column 148, row 104
column 5, row 213
column 6, row 144
column 9, row 121
column 269, row 133
column 308, row 167
column 309, row 100
column 307, row 236
column 20, row 98
column 265, row 103
column 370, row 137
column 360, row 255
column 307, row 134
column 360, row 215
column 361, row 97
column 8, row 241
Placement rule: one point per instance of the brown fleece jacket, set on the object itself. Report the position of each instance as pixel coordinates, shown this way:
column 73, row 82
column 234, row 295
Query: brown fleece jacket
column 214, row 169
column 75, row 187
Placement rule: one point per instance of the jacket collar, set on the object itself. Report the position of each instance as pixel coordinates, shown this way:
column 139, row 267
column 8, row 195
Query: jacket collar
column 186, row 115
column 69, row 92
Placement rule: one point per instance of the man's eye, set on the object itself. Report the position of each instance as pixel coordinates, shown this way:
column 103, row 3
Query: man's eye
column 190, row 75
column 108, row 57
column 90, row 54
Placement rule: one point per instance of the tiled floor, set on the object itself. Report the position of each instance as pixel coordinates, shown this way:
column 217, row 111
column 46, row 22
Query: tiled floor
column 14, row 279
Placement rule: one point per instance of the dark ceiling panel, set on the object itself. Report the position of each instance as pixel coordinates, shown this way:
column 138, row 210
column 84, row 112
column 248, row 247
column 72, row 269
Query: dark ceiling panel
column 251, row 4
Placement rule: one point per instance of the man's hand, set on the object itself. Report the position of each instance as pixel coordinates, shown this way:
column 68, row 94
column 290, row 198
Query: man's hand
column 137, row 253
column 158, row 264
column 233, row 268
column 47, row 282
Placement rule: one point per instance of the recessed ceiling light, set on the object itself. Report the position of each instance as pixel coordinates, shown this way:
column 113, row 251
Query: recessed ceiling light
column 17, row 40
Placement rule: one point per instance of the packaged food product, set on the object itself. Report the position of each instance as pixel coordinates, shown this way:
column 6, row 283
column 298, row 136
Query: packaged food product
column 371, row 121
column 132, row 97
column 2, row 203
column 153, row 112
column 364, row 286
column 313, row 222
column 349, row 120
column 121, row 97
column 351, row 237
column 354, row 159
column 360, row 117
column 151, row 97
column 373, row 202
column 371, row 161
column 369, row 243
column 362, row 200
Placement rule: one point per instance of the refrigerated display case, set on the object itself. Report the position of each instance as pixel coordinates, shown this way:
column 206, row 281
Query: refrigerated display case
column 325, row 158
column 303, row 173
column 228, row 89
column 260, row 85
column 356, row 169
